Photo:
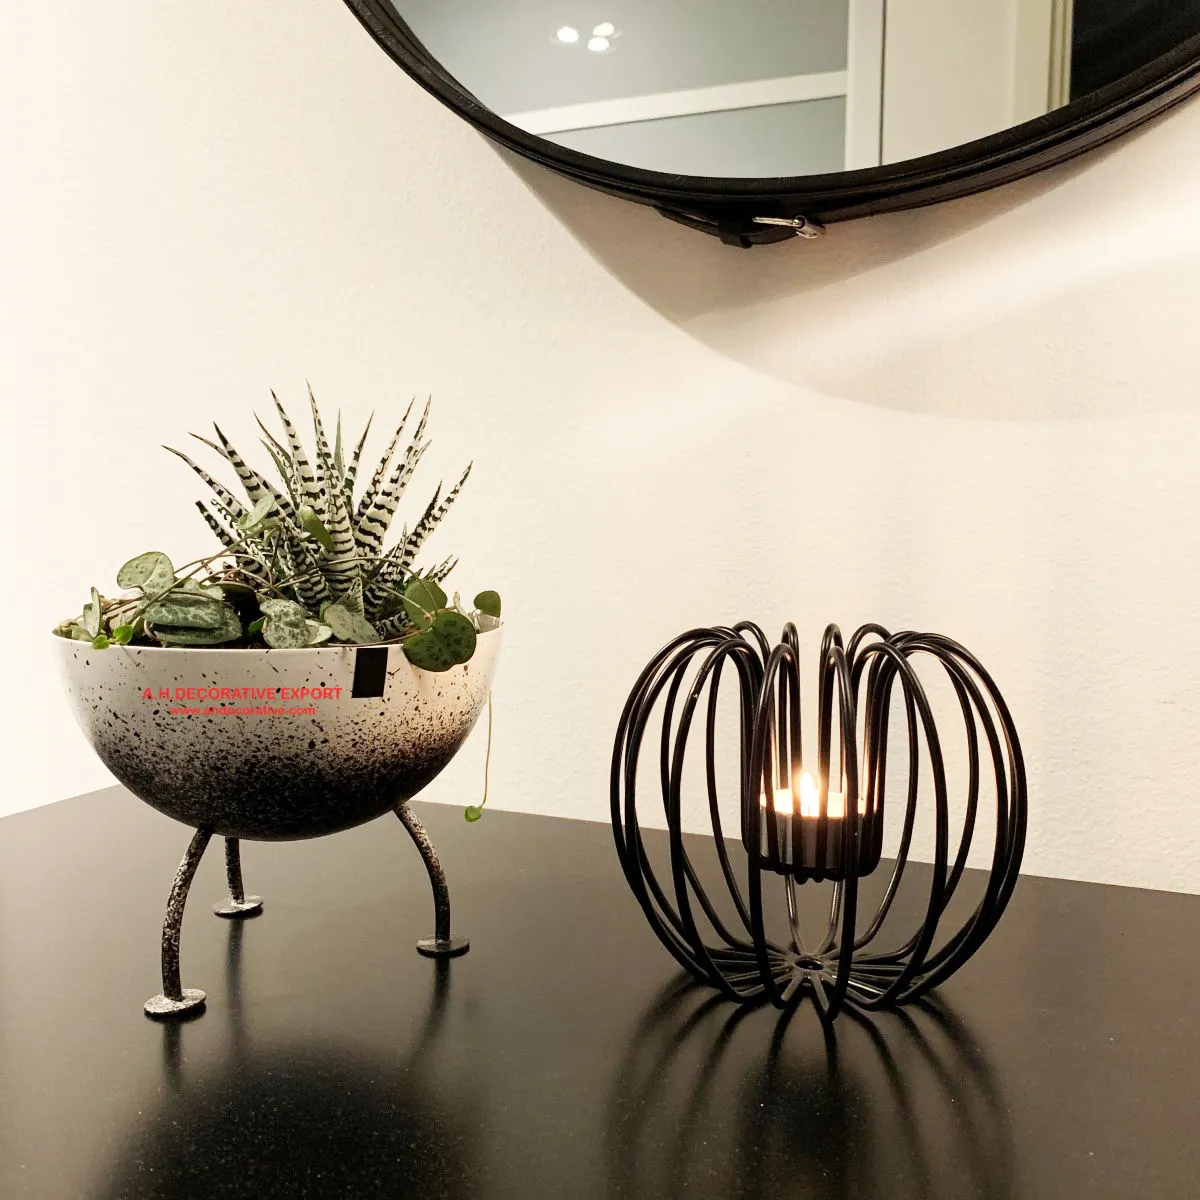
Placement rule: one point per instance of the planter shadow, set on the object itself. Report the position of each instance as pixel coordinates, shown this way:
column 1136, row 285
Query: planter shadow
column 305, row 1116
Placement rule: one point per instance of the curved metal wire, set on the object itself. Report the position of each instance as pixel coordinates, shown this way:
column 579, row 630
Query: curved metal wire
column 857, row 683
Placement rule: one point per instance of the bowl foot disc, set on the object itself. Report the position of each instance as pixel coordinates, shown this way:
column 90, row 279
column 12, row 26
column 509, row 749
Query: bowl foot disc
column 163, row 1008
column 443, row 948
column 251, row 906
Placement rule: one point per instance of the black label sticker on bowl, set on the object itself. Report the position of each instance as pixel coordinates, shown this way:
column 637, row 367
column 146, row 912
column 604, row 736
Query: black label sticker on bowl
column 370, row 672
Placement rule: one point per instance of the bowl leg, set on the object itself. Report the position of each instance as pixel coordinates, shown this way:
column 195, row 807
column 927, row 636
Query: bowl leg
column 175, row 1000
column 238, row 905
column 442, row 944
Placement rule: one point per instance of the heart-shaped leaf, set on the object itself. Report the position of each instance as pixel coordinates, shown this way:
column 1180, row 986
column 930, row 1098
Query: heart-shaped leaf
column 318, row 634
column 193, row 587
column 449, row 641
column 352, row 598
column 272, row 605
column 123, row 635
column 315, row 526
column 422, row 599
column 249, row 522
column 152, row 572
column 91, row 614
column 488, row 602
column 229, row 630
column 285, row 626
column 348, row 626
column 191, row 611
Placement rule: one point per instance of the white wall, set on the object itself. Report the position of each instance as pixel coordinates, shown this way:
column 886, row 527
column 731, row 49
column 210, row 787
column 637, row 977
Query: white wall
column 981, row 419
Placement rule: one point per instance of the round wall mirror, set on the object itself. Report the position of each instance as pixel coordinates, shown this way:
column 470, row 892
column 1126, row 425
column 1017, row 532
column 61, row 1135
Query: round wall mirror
column 759, row 120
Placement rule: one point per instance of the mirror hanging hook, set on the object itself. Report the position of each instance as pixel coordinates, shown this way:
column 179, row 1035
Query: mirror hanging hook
column 805, row 227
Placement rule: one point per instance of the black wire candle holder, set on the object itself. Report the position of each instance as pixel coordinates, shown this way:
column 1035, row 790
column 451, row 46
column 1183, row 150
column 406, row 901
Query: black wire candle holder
column 795, row 826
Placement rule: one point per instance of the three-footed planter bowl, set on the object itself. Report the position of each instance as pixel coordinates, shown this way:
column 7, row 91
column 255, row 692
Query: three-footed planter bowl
column 272, row 745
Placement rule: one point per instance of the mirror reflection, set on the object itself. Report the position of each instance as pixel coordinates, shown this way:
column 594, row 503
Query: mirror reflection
column 770, row 88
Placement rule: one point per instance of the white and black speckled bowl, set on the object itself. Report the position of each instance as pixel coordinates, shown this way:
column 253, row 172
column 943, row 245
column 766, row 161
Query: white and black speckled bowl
column 275, row 773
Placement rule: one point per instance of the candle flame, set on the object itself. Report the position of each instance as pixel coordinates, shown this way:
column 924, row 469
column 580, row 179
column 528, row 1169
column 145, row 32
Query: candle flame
column 810, row 801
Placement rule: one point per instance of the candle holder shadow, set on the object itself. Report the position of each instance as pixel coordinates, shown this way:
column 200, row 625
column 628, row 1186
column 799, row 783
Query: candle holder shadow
column 908, row 1107
column 795, row 827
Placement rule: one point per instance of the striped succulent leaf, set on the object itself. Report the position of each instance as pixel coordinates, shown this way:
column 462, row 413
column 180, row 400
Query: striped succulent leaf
column 223, row 535
column 301, row 467
column 383, row 579
column 301, row 565
column 257, row 488
column 283, row 464
column 352, row 466
column 380, row 473
column 340, row 564
column 339, row 560
column 373, row 524
column 323, row 466
column 227, row 502
column 393, row 626
column 431, row 519
column 250, row 480
column 442, row 570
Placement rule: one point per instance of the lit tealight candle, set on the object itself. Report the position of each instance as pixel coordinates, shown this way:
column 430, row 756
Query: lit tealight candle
column 785, row 803
column 810, row 801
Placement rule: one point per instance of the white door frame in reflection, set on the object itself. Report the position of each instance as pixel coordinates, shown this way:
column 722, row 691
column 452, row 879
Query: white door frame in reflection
column 1002, row 62
column 901, row 102
column 860, row 84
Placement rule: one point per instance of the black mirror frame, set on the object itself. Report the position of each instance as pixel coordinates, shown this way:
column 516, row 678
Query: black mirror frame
column 746, row 212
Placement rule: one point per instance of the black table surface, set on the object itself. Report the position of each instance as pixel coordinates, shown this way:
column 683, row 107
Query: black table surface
column 562, row 1057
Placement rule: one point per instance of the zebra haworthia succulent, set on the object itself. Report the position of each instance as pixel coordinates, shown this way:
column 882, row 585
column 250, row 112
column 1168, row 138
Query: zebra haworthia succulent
column 306, row 561
column 308, row 531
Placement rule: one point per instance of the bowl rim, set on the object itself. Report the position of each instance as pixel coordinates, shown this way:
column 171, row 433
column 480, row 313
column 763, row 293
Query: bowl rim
column 487, row 633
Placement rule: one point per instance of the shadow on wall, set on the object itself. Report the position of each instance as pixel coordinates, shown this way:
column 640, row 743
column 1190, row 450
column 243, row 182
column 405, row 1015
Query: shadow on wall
column 1067, row 295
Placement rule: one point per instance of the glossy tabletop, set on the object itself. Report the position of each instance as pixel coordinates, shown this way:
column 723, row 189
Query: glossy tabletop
column 562, row 1057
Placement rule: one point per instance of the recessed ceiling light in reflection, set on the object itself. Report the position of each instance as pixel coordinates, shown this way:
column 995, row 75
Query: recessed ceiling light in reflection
column 567, row 35
column 598, row 45
column 605, row 29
